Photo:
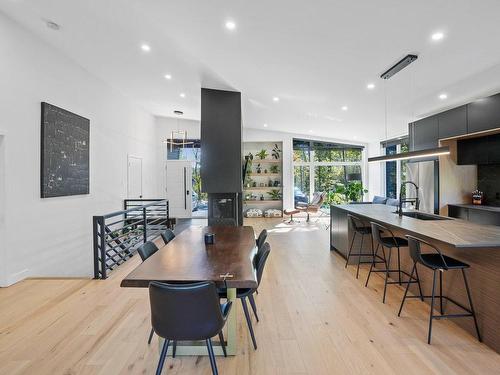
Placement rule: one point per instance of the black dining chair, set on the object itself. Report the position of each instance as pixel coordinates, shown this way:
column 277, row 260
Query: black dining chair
column 167, row 236
column 438, row 262
column 261, row 239
column 145, row 251
column 187, row 312
column 244, row 293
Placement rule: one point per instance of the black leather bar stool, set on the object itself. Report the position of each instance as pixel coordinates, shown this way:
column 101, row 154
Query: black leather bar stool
column 390, row 242
column 359, row 228
column 438, row 262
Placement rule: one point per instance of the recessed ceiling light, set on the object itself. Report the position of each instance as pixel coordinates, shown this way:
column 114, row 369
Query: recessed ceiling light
column 276, row 99
column 230, row 25
column 265, row 125
column 370, row 86
column 168, row 76
column 437, row 36
column 310, row 131
column 443, row 96
column 145, row 47
column 182, row 95
column 345, row 108
column 52, row 25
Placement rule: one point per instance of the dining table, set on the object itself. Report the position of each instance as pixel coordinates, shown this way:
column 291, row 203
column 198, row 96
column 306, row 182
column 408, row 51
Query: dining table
column 228, row 262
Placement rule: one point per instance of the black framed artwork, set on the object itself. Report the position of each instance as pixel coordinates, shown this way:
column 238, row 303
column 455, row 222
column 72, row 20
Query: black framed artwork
column 65, row 153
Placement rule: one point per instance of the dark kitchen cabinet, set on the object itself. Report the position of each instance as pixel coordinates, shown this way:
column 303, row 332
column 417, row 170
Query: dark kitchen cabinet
column 483, row 114
column 472, row 151
column 480, row 150
column 425, row 133
column 452, row 123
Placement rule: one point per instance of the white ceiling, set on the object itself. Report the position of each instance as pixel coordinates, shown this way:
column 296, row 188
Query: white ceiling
column 316, row 56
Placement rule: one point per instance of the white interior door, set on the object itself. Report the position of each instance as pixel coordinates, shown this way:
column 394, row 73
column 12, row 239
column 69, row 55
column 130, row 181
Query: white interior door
column 179, row 187
column 134, row 177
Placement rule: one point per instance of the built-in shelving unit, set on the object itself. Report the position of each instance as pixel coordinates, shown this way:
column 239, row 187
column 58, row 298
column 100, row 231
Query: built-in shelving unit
column 264, row 177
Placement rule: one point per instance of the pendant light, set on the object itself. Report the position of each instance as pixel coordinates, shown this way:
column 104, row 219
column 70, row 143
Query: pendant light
column 445, row 150
column 178, row 137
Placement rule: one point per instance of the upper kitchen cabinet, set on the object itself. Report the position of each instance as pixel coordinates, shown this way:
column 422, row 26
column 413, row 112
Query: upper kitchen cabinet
column 424, row 134
column 484, row 114
column 452, row 123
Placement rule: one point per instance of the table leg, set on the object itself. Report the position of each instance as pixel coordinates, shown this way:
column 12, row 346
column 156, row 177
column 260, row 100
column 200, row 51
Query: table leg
column 199, row 347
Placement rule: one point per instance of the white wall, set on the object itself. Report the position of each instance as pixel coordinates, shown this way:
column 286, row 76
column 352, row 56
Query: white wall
column 375, row 172
column 52, row 237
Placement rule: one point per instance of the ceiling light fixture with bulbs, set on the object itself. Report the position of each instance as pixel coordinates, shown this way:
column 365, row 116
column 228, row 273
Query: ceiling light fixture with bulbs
column 178, row 138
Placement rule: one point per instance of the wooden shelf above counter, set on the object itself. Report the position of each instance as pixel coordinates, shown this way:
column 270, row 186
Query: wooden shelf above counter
column 267, row 161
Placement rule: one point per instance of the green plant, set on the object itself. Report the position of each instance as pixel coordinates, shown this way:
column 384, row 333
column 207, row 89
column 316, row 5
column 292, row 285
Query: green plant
column 351, row 192
column 275, row 194
column 262, row 154
column 274, row 169
column 258, row 168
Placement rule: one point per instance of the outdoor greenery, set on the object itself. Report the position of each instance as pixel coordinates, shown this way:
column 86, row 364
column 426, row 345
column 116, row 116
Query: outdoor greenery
column 345, row 193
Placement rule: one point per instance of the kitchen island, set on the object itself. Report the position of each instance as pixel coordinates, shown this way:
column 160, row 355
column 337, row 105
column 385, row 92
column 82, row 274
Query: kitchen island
column 475, row 244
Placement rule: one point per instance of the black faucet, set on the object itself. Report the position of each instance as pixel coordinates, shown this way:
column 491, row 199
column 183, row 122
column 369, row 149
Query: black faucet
column 415, row 200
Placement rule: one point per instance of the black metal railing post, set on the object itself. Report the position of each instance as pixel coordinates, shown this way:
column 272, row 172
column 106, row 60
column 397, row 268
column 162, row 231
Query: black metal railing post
column 145, row 224
column 102, row 236
column 96, row 247
column 117, row 234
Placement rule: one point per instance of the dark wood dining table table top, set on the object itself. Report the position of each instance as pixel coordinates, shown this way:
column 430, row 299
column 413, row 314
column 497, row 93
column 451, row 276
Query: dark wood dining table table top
column 187, row 259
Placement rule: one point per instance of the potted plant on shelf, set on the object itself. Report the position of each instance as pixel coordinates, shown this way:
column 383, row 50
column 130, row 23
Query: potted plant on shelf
column 275, row 194
column 274, row 169
column 262, row 154
column 258, row 168
column 276, row 152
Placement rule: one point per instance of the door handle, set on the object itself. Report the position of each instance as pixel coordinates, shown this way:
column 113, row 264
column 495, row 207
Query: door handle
column 185, row 189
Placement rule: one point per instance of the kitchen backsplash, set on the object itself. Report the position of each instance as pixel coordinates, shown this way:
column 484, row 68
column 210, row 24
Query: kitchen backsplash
column 488, row 181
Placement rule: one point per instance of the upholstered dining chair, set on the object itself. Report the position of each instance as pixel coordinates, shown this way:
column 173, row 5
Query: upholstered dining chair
column 187, row 312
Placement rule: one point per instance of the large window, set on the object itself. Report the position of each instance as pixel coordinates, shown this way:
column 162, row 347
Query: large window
column 395, row 171
column 325, row 167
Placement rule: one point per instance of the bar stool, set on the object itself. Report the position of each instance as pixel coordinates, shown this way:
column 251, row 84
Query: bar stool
column 359, row 227
column 438, row 262
column 390, row 242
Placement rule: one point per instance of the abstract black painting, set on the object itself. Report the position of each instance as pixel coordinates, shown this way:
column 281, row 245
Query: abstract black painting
column 64, row 153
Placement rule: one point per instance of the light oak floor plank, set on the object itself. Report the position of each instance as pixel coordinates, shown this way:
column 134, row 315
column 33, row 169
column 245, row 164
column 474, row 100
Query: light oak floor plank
column 315, row 318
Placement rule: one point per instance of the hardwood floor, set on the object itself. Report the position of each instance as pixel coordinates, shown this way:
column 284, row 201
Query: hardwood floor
column 316, row 318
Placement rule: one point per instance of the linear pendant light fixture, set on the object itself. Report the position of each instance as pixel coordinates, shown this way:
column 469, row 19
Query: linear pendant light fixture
column 400, row 65
column 445, row 150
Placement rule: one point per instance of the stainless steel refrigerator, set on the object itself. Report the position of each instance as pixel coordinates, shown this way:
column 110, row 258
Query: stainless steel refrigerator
column 426, row 175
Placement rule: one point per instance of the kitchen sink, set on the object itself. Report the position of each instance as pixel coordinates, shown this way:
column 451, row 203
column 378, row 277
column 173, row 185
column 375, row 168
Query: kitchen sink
column 423, row 216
